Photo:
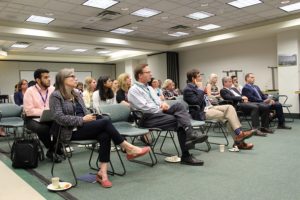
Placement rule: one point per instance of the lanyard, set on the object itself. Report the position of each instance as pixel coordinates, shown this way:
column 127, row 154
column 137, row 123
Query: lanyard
column 148, row 92
column 43, row 99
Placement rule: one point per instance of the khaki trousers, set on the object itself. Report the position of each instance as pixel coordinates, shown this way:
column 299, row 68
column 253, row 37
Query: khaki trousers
column 223, row 113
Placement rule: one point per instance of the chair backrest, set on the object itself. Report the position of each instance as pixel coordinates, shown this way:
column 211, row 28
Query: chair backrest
column 10, row 110
column 117, row 112
column 180, row 100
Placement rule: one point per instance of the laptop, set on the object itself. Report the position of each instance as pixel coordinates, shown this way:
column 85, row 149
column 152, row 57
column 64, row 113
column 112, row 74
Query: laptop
column 46, row 117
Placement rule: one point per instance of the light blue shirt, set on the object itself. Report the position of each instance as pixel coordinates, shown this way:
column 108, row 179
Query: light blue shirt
column 143, row 97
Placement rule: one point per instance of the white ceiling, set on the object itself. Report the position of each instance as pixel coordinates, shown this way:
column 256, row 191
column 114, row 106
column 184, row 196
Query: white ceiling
column 78, row 26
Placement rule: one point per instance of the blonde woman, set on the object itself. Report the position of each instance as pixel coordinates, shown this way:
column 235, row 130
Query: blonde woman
column 169, row 90
column 124, row 84
column 211, row 87
column 75, row 123
column 87, row 95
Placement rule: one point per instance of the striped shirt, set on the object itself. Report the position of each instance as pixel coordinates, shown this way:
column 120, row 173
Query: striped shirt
column 143, row 97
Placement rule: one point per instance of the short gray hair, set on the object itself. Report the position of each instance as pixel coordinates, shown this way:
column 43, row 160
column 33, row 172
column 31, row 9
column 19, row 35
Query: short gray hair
column 225, row 79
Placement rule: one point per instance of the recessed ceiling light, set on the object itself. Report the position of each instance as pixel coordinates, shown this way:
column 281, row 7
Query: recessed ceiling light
column 79, row 50
column 291, row 7
column 244, row 3
column 178, row 34
column 20, row 45
column 40, row 19
column 199, row 15
column 100, row 3
column 204, row 4
column 124, row 9
column 146, row 12
column 121, row 30
column 52, row 48
column 209, row 27
column 104, row 52
column 285, row 2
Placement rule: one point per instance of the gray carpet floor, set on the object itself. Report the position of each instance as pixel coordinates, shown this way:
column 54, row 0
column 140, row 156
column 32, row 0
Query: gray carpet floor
column 269, row 171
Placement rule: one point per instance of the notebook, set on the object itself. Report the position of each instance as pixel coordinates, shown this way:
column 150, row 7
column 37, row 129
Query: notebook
column 46, row 117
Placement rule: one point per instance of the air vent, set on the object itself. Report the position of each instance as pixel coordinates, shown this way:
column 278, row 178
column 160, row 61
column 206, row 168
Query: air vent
column 179, row 27
column 108, row 15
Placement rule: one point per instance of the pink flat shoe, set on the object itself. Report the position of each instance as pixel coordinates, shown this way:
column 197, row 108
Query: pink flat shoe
column 105, row 184
column 144, row 151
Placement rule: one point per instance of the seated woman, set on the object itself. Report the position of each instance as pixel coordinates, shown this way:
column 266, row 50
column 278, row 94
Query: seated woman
column 103, row 93
column 155, row 85
column 115, row 87
column 87, row 95
column 18, row 96
column 211, row 87
column 71, row 114
column 212, row 90
column 124, row 81
column 169, row 90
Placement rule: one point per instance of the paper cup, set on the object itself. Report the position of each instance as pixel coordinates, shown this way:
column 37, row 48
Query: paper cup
column 55, row 182
column 222, row 148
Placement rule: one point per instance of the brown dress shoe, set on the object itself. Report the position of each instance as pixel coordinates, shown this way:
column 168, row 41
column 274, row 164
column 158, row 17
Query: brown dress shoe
column 245, row 146
column 243, row 135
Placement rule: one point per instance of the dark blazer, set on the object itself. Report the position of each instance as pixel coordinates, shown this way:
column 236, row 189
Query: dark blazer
column 18, row 97
column 194, row 96
column 228, row 95
column 63, row 112
column 249, row 92
column 120, row 96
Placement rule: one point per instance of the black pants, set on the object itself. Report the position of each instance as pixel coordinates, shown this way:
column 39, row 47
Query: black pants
column 255, row 110
column 101, row 130
column 176, row 119
column 42, row 130
column 279, row 112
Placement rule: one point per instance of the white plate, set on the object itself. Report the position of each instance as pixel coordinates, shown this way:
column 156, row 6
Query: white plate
column 173, row 159
column 63, row 186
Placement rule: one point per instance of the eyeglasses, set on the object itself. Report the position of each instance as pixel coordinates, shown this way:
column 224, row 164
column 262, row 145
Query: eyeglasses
column 148, row 72
column 71, row 76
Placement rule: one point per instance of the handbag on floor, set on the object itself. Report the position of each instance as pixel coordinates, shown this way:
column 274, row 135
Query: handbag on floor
column 25, row 153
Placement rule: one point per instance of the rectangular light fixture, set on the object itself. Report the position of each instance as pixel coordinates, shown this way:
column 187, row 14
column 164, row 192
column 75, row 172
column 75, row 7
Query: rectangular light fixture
column 3, row 53
column 104, row 52
column 199, row 15
column 121, row 30
column 20, row 45
column 40, row 19
column 52, row 48
column 178, row 34
column 146, row 12
column 244, row 3
column 79, row 50
column 104, row 4
column 209, row 27
column 291, row 7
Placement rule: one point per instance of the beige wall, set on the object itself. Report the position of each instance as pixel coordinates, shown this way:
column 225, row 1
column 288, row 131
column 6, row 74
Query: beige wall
column 10, row 75
column 250, row 56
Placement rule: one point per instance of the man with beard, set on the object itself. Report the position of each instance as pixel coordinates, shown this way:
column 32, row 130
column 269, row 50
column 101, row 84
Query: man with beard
column 36, row 100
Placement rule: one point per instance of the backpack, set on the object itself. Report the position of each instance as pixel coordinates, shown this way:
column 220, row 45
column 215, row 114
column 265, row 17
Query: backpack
column 25, row 153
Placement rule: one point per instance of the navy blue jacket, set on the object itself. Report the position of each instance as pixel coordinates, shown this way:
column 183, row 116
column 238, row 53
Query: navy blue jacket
column 249, row 92
column 18, row 97
column 194, row 96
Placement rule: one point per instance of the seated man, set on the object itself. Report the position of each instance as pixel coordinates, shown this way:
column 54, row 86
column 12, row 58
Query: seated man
column 241, row 103
column 36, row 99
column 160, row 115
column 193, row 94
column 254, row 94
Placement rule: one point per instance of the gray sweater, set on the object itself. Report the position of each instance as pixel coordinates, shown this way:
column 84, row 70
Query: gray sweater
column 63, row 112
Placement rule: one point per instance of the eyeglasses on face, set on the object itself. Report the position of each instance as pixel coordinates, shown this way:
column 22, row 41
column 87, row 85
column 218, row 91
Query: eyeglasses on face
column 71, row 76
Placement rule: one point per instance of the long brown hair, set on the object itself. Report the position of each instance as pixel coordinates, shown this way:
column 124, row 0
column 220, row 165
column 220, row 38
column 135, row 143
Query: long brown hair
column 60, row 83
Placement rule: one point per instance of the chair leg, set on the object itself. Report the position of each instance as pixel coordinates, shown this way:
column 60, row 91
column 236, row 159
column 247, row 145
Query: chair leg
column 290, row 115
column 164, row 139
column 152, row 157
column 68, row 158
column 222, row 131
column 201, row 128
column 113, row 172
